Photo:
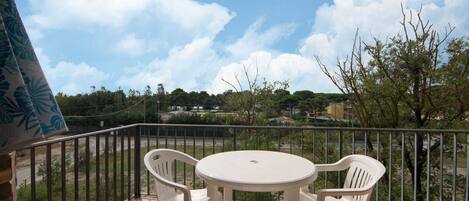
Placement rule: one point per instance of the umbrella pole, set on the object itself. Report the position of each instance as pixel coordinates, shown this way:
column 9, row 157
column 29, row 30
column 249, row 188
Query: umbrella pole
column 8, row 176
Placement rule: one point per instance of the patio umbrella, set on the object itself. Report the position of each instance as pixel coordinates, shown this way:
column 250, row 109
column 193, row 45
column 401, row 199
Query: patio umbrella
column 28, row 110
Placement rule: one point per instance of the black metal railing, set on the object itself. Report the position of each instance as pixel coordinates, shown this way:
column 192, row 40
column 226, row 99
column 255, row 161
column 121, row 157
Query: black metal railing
column 106, row 165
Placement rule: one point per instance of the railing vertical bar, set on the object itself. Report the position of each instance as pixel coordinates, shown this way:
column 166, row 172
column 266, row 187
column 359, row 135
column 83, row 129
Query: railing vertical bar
column 114, row 165
column 185, row 151
column 122, row 189
column 279, row 140
column 203, row 142
column 175, row 131
column 129, row 165
column 246, row 137
column 327, row 157
column 353, row 142
column 402, row 165
column 223, row 140
column 302, row 142
column 147, row 130
column 341, row 150
column 234, row 149
column 87, row 168
column 290, row 141
column 49, row 172
column 75, row 169
column 166, row 138
column 429, row 144
column 158, row 137
column 390, row 168
column 194, row 131
column 203, row 149
column 106, row 166
column 97, row 168
column 313, row 144
column 63, row 171
column 137, row 161
column 454, row 165
column 257, row 139
column 366, row 143
column 378, row 144
column 33, row 173
column 441, row 166
column 213, row 140
column 313, row 151
column 467, row 167
column 415, row 166
column 234, row 139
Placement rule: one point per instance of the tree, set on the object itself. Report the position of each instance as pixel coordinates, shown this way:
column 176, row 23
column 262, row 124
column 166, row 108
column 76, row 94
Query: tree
column 161, row 98
column 304, row 94
column 405, row 83
column 255, row 103
column 454, row 82
column 314, row 105
column 179, row 97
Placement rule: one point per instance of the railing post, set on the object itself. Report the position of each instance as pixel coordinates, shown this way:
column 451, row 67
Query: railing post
column 137, row 162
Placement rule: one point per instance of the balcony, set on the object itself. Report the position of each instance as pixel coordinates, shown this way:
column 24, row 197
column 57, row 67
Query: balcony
column 108, row 164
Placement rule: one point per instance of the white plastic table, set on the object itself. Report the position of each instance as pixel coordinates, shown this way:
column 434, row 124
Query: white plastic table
column 255, row 171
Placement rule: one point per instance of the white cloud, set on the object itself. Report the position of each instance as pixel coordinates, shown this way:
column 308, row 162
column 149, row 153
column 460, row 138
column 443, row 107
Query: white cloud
column 68, row 77
column 42, row 57
column 165, row 17
column 72, row 78
column 193, row 65
column 255, row 40
column 185, row 31
column 203, row 20
column 301, row 72
column 131, row 45
column 187, row 67
column 335, row 24
column 73, row 13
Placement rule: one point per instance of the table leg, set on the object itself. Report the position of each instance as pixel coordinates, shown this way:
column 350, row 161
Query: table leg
column 228, row 194
column 292, row 194
column 212, row 192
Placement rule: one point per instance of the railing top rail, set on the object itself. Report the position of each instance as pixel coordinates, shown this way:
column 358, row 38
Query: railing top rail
column 312, row 127
column 393, row 130
column 67, row 138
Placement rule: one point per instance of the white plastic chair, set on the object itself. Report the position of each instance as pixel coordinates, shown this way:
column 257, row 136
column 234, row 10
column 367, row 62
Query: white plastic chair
column 363, row 173
column 159, row 163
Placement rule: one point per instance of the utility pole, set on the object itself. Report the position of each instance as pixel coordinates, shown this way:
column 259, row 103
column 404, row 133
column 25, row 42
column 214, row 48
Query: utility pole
column 144, row 109
column 157, row 111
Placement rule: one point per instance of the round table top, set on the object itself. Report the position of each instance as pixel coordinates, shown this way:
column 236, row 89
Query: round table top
column 256, row 170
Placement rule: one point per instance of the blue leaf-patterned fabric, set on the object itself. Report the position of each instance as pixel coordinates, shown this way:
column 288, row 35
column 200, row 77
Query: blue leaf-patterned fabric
column 28, row 110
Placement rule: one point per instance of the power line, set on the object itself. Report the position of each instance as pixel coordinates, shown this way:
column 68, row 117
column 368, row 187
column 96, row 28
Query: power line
column 108, row 114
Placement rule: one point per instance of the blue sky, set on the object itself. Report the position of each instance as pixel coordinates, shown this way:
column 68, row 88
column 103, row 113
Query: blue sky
column 195, row 44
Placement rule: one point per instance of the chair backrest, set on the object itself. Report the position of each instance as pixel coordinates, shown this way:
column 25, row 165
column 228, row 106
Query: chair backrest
column 161, row 161
column 363, row 172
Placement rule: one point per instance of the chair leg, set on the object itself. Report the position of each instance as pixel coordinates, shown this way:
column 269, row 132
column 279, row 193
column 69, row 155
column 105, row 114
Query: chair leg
column 291, row 194
column 212, row 192
column 228, row 194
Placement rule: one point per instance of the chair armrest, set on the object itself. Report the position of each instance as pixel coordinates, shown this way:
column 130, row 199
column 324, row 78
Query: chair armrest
column 342, row 192
column 338, row 166
column 183, row 188
column 186, row 158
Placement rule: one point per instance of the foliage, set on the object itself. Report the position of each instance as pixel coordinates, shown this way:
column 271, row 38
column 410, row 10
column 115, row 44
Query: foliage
column 314, row 105
column 207, row 119
column 406, row 83
column 254, row 103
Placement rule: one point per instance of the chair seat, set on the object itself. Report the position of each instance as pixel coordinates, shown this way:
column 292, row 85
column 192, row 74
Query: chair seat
column 197, row 195
column 313, row 197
